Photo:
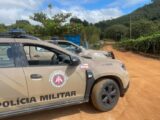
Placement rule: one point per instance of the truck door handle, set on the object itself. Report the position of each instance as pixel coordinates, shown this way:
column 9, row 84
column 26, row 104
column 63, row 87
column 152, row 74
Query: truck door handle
column 36, row 76
column 37, row 56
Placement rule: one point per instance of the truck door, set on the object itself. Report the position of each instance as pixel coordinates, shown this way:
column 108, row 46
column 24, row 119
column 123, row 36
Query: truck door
column 13, row 87
column 52, row 80
column 36, row 53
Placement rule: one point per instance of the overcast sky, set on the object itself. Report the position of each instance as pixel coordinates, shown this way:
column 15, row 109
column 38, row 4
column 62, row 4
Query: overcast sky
column 90, row 10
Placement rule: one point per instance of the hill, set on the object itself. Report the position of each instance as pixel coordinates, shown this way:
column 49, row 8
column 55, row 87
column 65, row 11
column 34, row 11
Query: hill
column 146, row 17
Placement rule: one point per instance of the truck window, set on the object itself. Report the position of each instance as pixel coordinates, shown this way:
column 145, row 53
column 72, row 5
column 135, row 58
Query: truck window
column 6, row 56
column 68, row 46
column 42, row 56
column 39, row 49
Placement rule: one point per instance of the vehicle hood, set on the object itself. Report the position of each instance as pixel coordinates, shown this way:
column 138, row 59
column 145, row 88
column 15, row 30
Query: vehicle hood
column 94, row 51
column 95, row 54
column 103, row 67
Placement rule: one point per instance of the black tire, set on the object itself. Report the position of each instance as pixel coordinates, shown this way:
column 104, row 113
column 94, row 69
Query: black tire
column 105, row 95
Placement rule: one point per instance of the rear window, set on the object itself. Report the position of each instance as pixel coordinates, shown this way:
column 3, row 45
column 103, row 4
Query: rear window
column 68, row 46
column 6, row 56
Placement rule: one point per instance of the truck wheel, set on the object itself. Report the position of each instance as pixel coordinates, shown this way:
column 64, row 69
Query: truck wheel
column 105, row 95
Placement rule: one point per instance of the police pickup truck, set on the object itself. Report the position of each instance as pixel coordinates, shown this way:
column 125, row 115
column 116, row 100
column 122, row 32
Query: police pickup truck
column 36, row 75
column 83, row 52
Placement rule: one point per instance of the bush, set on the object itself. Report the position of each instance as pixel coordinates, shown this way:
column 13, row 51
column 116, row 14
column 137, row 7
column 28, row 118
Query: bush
column 149, row 44
column 116, row 32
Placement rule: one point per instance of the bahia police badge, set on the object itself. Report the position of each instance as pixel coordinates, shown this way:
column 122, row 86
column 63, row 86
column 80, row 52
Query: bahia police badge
column 58, row 78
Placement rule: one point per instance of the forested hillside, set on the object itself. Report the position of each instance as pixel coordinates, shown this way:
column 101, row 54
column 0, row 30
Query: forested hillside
column 141, row 22
column 142, row 30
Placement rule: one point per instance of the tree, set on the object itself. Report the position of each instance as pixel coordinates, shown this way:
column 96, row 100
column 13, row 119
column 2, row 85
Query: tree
column 2, row 28
column 75, row 20
column 72, row 28
column 39, row 17
column 116, row 32
column 79, row 21
column 149, row 12
column 91, row 34
column 51, row 25
column 85, row 23
column 23, row 24
column 143, row 27
column 61, row 18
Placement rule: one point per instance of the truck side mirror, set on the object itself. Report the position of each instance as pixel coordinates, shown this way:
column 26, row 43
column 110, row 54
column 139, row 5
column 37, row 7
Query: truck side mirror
column 75, row 61
column 78, row 50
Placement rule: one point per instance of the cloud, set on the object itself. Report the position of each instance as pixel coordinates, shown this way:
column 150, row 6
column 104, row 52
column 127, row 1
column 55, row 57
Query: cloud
column 92, row 16
column 25, row 4
column 96, row 15
column 12, row 10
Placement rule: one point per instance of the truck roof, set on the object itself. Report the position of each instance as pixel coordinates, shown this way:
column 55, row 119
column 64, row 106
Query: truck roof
column 64, row 41
column 6, row 40
column 29, row 41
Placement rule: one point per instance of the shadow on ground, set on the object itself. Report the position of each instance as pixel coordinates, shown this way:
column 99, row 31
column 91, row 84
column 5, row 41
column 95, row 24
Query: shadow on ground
column 57, row 113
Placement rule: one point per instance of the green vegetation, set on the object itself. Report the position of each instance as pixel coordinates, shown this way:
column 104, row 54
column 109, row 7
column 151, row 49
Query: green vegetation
column 57, row 25
column 2, row 28
column 142, row 26
column 116, row 32
column 141, row 22
column 149, row 44
column 138, row 31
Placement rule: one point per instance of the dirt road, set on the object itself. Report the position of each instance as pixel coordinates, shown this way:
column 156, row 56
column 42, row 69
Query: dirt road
column 142, row 101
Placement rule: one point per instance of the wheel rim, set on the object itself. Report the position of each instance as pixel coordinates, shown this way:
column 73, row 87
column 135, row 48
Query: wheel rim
column 109, row 94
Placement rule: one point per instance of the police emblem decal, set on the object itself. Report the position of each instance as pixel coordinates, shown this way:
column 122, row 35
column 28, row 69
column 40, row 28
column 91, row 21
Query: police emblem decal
column 58, row 78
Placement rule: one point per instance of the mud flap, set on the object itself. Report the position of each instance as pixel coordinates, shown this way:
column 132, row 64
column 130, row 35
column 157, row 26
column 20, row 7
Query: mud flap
column 89, row 83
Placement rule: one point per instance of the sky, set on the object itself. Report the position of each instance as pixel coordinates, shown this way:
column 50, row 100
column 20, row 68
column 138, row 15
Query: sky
column 91, row 10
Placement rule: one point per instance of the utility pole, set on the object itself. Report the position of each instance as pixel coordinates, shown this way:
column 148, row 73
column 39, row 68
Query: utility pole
column 50, row 7
column 130, row 26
